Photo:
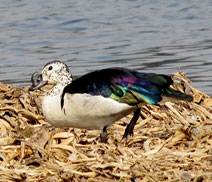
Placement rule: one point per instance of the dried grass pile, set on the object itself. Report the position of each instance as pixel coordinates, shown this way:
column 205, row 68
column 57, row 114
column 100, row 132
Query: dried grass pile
column 173, row 143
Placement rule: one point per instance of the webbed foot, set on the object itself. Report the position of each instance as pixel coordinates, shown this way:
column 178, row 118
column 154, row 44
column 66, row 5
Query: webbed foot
column 130, row 127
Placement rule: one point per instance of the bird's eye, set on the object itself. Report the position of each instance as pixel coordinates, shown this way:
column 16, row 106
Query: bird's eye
column 50, row 68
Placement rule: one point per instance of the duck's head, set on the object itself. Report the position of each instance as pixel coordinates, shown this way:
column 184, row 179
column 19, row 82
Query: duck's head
column 55, row 72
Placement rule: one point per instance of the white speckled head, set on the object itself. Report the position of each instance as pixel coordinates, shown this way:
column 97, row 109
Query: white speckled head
column 56, row 72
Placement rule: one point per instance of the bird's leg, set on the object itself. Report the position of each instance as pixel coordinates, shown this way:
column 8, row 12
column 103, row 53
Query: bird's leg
column 131, row 125
column 103, row 135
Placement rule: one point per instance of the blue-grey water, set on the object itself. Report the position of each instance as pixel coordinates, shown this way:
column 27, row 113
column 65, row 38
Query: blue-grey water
column 159, row 36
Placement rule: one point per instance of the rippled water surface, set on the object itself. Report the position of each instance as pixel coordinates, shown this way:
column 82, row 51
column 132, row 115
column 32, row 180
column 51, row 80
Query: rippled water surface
column 146, row 35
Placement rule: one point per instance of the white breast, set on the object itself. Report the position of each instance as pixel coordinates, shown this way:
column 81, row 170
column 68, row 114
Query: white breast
column 83, row 111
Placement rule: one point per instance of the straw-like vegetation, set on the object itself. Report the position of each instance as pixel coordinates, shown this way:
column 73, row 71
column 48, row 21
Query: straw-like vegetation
column 173, row 142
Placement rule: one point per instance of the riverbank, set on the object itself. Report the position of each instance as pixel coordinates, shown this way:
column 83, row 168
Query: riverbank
column 172, row 143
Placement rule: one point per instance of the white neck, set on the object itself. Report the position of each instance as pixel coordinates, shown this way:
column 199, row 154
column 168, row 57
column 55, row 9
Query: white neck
column 58, row 88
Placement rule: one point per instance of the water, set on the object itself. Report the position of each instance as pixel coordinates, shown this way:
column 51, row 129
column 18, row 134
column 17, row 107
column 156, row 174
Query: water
column 146, row 35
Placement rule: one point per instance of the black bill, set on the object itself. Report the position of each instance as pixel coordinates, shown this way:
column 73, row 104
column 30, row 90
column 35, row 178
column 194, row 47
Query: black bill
column 37, row 81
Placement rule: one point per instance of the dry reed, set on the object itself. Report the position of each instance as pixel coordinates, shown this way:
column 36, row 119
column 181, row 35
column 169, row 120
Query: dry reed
column 173, row 143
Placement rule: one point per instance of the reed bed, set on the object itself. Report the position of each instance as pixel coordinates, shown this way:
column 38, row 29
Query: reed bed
column 173, row 143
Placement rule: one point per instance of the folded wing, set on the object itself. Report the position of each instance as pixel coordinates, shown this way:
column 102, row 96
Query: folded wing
column 125, row 86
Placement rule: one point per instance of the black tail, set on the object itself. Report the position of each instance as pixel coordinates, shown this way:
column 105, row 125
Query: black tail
column 177, row 94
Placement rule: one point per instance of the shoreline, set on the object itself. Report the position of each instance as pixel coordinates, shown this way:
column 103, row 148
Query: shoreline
column 172, row 143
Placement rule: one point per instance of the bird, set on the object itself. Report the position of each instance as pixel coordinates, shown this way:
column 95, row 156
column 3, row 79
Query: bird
column 98, row 99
